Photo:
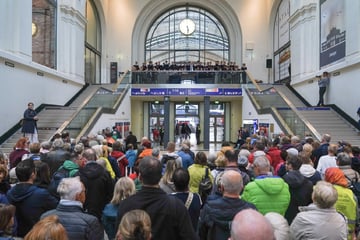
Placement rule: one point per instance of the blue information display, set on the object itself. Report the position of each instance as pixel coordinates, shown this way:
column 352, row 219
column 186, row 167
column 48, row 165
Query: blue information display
column 186, row 92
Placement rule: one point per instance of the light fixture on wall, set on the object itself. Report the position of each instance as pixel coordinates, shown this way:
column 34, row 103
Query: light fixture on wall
column 34, row 29
column 217, row 102
column 186, row 101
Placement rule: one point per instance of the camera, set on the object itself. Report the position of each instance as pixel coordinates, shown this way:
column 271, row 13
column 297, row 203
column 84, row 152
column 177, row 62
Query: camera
column 318, row 76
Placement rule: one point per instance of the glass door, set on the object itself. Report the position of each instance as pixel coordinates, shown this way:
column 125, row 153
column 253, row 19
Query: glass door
column 216, row 129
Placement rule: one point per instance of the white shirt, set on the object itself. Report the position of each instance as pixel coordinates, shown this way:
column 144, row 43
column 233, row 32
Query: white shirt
column 324, row 163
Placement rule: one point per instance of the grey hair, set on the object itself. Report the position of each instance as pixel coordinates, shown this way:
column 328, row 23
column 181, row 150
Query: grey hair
column 58, row 143
column 262, row 163
column 324, row 195
column 69, row 187
column 343, row 159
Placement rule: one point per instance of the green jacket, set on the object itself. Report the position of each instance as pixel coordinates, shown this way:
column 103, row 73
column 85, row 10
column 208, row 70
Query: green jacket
column 268, row 194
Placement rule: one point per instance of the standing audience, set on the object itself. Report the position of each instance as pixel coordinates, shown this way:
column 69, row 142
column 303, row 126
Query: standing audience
column 168, row 214
column 48, row 228
column 77, row 223
column 268, row 193
column 98, row 184
column 30, row 201
column 249, row 224
column 7, row 215
column 320, row 220
column 217, row 214
column 135, row 225
column 124, row 188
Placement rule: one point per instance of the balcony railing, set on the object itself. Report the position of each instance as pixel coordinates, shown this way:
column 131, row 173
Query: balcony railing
column 183, row 77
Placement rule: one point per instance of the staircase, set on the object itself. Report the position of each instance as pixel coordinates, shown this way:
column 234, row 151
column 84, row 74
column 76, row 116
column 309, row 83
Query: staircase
column 321, row 119
column 51, row 118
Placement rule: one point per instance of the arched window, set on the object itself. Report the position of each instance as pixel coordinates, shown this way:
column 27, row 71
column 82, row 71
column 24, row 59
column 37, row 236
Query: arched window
column 92, row 45
column 44, row 32
column 282, row 53
column 186, row 34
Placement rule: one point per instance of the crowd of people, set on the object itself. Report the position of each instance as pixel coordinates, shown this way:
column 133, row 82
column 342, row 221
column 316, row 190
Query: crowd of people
column 121, row 188
column 188, row 66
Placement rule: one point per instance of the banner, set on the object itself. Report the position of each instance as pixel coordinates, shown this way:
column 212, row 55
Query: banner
column 332, row 31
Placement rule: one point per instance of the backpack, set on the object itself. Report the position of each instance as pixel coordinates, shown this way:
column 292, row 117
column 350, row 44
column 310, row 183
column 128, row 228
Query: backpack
column 56, row 179
column 354, row 186
column 205, row 186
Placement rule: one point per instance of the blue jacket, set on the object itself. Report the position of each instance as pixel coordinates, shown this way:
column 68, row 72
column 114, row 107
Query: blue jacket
column 78, row 224
column 109, row 219
column 30, row 202
column 217, row 214
column 186, row 159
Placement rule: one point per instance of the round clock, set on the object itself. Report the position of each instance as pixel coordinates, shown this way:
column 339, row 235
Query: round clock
column 187, row 26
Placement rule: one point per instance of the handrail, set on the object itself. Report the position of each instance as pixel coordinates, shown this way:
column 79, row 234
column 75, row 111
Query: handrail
column 116, row 86
column 72, row 117
column 101, row 110
column 274, row 111
column 306, row 122
column 282, row 121
column 253, row 81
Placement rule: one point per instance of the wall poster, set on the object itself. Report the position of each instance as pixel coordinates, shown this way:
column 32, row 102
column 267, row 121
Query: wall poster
column 332, row 31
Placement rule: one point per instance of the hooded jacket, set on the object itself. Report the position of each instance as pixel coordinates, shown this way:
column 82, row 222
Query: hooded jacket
column 300, row 193
column 30, row 202
column 310, row 173
column 268, row 194
column 99, row 187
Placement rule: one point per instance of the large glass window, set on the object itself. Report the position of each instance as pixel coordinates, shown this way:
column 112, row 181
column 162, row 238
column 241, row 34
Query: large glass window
column 92, row 45
column 44, row 32
column 187, row 34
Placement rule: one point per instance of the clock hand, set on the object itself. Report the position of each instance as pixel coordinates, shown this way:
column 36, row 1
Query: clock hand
column 187, row 27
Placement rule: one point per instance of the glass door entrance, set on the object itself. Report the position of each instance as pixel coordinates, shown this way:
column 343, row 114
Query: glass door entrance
column 216, row 129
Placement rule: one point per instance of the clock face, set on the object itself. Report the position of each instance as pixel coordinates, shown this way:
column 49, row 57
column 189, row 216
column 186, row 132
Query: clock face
column 187, row 26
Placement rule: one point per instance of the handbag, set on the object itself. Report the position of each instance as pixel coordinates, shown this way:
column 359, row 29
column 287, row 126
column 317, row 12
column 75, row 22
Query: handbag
column 205, row 186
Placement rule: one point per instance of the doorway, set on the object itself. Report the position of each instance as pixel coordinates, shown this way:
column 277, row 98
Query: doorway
column 216, row 129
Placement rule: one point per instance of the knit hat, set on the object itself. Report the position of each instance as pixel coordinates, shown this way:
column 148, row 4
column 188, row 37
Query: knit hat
column 335, row 176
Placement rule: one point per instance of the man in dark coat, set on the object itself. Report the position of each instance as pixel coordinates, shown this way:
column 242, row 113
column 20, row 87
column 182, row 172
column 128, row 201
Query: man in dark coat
column 29, row 127
column 30, row 201
column 217, row 214
column 300, row 187
column 169, row 217
column 98, row 183
column 57, row 156
column 78, row 224
column 131, row 139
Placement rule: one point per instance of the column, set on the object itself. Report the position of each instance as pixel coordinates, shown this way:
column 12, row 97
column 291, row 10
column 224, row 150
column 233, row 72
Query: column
column 166, row 120
column 206, row 127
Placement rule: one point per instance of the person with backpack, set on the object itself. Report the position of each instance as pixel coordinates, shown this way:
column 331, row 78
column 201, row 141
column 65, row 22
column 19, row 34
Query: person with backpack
column 69, row 168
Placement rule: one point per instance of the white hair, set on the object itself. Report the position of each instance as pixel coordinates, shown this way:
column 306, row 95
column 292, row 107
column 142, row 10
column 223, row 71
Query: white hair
column 69, row 187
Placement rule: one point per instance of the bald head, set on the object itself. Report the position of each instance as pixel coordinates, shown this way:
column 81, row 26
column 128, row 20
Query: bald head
column 232, row 183
column 249, row 224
